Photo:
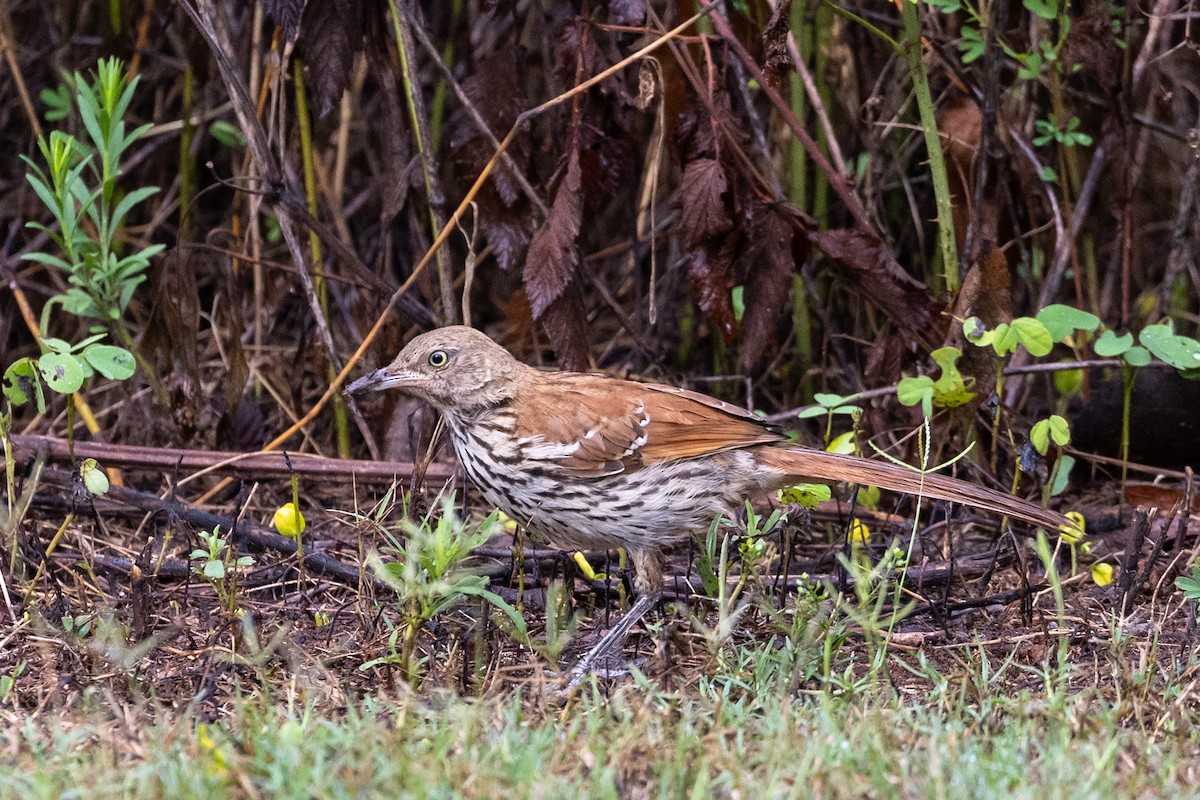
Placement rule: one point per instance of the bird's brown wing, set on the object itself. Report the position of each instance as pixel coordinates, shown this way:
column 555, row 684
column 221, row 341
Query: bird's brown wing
column 591, row 425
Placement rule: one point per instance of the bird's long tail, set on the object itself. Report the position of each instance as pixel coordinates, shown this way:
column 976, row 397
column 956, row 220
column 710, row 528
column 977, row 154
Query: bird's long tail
column 798, row 465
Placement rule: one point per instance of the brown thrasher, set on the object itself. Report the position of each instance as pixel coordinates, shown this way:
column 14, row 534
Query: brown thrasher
column 594, row 462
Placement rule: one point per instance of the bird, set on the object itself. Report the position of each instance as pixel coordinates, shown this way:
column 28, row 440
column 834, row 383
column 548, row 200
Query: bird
column 588, row 461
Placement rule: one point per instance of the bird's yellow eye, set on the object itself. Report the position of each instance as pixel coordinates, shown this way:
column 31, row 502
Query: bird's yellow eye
column 438, row 358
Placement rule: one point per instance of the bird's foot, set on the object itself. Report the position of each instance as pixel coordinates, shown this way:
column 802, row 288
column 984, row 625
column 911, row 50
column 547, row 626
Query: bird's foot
column 609, row 647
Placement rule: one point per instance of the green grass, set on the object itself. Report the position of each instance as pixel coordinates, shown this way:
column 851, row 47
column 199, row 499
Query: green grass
column 742, row 731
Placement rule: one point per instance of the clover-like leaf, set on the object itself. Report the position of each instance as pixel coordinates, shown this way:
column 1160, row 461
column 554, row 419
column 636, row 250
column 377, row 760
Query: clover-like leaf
column 1062, row 320
column 827, row 400
column 1054, row 429
column 1181, row 352
column 1137, row 356
column 1046, row 9
column 21, row 382
column 868, row 497
column 976, row 332
column 1110, row 345
column 919, row 389
column 1061, row 474
column 1033, row 335
column 114, row 363
column 846, row 444
column 61, row 372
column 93, row 477
column 807, row 495
column 950, row 390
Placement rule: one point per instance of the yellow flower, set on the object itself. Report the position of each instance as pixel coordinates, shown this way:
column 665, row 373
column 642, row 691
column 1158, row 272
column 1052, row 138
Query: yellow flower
column 1102, row 574
column 586, row 568
column 859, row 533
column 217, row 765
column 289, row 521
column 506, row 522
column 1073, row 533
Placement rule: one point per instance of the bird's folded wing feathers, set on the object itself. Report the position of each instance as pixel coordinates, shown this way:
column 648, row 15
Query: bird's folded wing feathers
column 624, row 431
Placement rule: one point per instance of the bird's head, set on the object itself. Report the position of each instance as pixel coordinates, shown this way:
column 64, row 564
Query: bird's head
column 455, row 369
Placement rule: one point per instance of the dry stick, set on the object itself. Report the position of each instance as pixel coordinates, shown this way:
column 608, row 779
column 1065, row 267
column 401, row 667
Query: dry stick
column 1182, row 556
column 241, row 531
column 244, row 465
column 281, row 183
column 1133, row 550
column 1177, row 259
column 836, row 179
column 14, row 69
column 1083, row 206
column 434, row 197
column 814, row 98
column 422, row 38
column 1065, row 234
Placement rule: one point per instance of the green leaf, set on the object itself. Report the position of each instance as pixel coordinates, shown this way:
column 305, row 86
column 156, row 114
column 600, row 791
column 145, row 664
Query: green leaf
column 227, row 134
column 78, row 302
column 57, row 345
column 128, row 202
column 971, row 45
column 1137, row 356
column 975, row 332
column 48, row 260
column 1069, row 382
column 1062, row 320
column 1181, row 352
column 739, row 302
column 1046, row 9
column 868, row 497
column 1061, row 475
column 1005, row 340
column 1054, row 429
column 950, row 390
column 1039, row 437
column 93, row 477
column 61, row 372
column 807, row 495
column 214, row 569
column 1110, row 345
column 911, row 391
column 21, row 382
column 114, row 363
column 1033, row 334
column 1190, row 586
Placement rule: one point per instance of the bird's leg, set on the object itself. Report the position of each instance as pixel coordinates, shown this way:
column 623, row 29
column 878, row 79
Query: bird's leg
column 648, row 581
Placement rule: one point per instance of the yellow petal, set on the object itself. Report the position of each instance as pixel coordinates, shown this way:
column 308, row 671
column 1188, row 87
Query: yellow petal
column 586, row 568
column 1073, row 533
column 859, row 533
column 1102, row 574
column 508, row 523
column 289, row 521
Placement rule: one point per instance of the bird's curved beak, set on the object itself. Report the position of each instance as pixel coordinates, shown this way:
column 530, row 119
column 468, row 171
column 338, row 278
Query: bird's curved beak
column 386, row 378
